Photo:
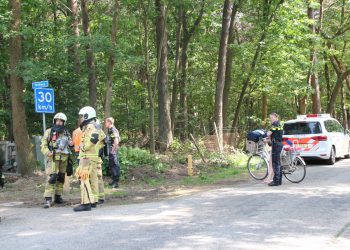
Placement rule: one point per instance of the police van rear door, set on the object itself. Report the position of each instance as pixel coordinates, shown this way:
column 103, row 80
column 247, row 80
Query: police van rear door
column 306, row 134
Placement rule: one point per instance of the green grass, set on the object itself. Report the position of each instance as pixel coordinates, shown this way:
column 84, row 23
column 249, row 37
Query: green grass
column 155, row 182
column 116, row 193
column 212, row 177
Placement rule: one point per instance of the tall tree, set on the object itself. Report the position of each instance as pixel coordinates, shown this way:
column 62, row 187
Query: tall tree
column 73, row 49
column 150, row 91
column 25, row 156
column 187, row 34
column 111, row 60
column 164, row 122
column 229, row 62
column 174, row 96
column 90, row 60
column 313, row 76
column 220, row 82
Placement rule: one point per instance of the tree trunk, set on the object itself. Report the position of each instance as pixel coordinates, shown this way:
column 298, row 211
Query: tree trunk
column 183, row 117
column 264, row 109
column 313, row 77
column 177, row 69
column 343, row 108
column 229, row 63
column 7, row 106
column 302, row 105
column 148, row 78
column 164, row 122
column 220, row 83
column 26, row 161
column 341, row 76
column 111, row 60
column 90, row 61
column 327, row 79
column 73, row 49
column 186, row 39
column 143, row 108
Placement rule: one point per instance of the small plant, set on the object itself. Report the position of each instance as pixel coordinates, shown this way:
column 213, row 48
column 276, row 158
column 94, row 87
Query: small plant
column 130, row 157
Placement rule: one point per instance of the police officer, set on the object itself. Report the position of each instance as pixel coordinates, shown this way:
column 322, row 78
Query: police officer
column 112, row 142
column 91, row 140
column 276, row 133
column 55, row 146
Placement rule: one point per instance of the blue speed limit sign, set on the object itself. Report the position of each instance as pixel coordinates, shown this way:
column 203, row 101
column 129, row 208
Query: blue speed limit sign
column 44, row 100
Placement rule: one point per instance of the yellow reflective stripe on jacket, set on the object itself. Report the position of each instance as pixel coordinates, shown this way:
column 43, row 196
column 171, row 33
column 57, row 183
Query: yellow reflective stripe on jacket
column 83, row 155
column 280, row 127
column 90, row 155
column 277, row 128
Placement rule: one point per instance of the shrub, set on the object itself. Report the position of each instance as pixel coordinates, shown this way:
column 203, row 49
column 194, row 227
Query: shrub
column 130, row 157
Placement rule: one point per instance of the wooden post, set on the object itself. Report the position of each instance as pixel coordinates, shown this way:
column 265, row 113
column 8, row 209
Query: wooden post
column 189, row 165
column 217, row 137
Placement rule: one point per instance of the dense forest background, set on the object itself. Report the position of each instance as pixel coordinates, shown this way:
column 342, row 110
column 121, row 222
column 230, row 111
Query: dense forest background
column 168, row 69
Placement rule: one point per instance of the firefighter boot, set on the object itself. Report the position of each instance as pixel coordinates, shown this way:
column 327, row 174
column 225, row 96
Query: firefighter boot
column 58, row 199
column 48, row 201
column 82, row 207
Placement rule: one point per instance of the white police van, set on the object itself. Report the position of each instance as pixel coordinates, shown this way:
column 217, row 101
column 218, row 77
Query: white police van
column 319, row 135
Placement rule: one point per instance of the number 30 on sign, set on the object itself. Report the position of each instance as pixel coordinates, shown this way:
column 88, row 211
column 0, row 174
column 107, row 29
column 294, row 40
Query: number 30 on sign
column 44, row 100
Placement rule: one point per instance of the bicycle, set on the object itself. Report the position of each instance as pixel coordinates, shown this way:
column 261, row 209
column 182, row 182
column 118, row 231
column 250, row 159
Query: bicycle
column 293, row 166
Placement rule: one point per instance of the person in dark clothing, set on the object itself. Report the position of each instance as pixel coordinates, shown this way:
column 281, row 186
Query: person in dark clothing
column 112, row 143
column 275, row 134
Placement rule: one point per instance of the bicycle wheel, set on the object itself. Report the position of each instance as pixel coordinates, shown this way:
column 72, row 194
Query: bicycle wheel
column 257, row 167
column 296, row 171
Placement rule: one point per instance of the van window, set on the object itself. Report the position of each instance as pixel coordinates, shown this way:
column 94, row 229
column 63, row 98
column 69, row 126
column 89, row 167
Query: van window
column 302, row 128
column 333, row 126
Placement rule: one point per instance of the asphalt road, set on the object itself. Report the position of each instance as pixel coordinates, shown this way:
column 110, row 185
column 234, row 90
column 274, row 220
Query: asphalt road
column 314, row 214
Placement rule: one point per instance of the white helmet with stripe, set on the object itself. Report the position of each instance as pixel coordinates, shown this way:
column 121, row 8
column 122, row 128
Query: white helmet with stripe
column 60, row 116
column 87, row 113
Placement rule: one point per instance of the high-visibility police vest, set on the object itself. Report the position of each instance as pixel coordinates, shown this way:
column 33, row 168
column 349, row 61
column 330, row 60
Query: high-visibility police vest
column 277, row 132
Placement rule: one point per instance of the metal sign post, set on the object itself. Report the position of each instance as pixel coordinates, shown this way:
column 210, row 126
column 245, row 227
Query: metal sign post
column 44, row 122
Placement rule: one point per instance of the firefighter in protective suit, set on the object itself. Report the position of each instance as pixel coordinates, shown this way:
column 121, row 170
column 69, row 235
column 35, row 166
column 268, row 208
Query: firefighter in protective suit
column 55, row 146
column 92, row 138
column 101, row 188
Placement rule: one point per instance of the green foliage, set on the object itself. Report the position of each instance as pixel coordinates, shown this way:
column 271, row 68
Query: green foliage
column 181, row 150
column 236, row 159
column 130, row 157
column 281, row 72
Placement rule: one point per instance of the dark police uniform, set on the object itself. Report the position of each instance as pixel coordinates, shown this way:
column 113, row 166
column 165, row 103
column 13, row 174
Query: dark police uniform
column 276, row 139
column 113, row 162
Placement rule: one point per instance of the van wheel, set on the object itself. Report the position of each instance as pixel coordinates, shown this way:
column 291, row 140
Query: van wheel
column 331, row 159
